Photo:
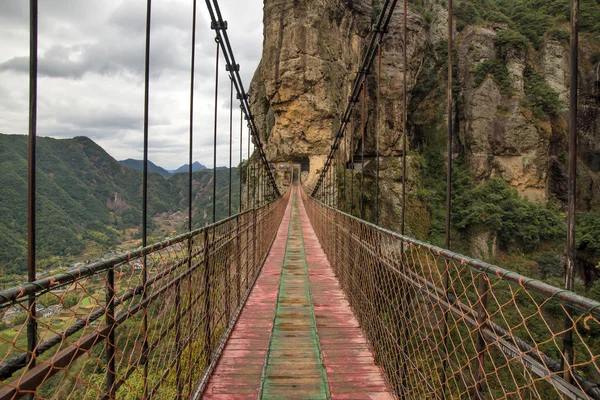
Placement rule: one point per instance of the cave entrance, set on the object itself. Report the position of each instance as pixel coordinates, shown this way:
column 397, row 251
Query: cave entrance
column 305, row 164
column 301, row 168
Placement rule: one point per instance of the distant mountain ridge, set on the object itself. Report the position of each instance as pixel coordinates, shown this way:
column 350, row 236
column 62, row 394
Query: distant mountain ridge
column 196, row 167
column 139, row 165
column 87, row 198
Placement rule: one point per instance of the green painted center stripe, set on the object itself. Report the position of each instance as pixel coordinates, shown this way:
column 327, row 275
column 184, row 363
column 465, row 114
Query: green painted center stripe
column 294, row 365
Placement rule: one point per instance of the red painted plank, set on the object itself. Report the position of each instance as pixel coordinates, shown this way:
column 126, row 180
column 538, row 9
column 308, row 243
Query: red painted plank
column 239, row 371
column 351, row 370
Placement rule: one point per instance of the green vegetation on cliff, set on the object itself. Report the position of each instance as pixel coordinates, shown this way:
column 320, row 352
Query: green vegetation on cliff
column 520, row 233
column 532, row 18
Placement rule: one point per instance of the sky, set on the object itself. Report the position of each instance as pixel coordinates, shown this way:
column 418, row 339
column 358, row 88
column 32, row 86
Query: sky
column 91, row 74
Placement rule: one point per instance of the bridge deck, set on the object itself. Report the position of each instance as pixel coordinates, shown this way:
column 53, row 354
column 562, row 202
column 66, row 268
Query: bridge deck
column 297, row 337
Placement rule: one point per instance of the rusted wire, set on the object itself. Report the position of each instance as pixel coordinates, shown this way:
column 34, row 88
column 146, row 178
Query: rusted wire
column 572, row 183
column 82, row 356
column 510, row 320
column 31, row 172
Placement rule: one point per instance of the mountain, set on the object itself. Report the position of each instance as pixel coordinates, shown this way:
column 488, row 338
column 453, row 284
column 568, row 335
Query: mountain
column 511, row 91
column 87, row 198
column 185, row 168
column 139, row 165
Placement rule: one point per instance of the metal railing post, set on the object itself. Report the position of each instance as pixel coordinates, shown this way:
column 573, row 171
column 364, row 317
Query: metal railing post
column 481, row 345
column 111, row 373
column 446, row 275
column 238, row 269
column 568, row 352
column 32, row 323
column 207, row 305
column 178, row 340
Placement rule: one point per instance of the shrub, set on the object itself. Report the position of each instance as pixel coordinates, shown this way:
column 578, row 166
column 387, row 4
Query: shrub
column 588, row 232
column 497, row 16
column 498, row 207
column 70, row 300
column 509, row 42
column 531, row 23
column 466, row 14
column 19, row 319
column 559, row 34
column 541, row 98
column 550, row 265
column 496, row 68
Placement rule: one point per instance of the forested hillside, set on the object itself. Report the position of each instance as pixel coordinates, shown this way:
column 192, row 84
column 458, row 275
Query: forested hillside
column 88, row 199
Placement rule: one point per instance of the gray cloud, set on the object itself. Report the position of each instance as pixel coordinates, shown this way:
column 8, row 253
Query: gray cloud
column 91, row 64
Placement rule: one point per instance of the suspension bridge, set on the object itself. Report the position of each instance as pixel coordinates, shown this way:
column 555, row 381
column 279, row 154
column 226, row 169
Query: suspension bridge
column 297, row 295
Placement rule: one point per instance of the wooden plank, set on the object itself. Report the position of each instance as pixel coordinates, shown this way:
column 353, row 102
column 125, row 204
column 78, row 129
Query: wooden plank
column 351, row 369
column 298, row 320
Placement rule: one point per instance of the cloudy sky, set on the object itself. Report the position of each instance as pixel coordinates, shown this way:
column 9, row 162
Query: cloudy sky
column 91, row 71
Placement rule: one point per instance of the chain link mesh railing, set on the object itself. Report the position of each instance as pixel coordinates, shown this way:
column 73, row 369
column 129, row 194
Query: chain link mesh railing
column 442, row 325
column 146, row 324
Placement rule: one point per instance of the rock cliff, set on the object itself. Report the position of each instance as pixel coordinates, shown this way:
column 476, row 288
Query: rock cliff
column 511, row 92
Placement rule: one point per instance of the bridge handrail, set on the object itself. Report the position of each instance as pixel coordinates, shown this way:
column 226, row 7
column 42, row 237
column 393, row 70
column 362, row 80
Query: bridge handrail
column 19, row 293
column 374, row 245
column 215, row 241
column 565, row 296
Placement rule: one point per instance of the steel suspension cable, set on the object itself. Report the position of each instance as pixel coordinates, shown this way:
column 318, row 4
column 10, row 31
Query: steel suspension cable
column 248, row 174
column 404, row 119
column 32, row 324
column 344, row 165
column 241, row 156
column 220, row 27
column 146, row 348
column 191, row 132
column 378, row 131
column 230, row 138
column 378, row 30
column 216, row 128
column 362, row 146
column 190, row 180
column 353, row 125
column 446, row 277
column 405, row 296
column 569, row 355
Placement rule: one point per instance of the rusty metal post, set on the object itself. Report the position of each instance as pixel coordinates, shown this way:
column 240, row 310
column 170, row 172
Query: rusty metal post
column 248, row 174
column 404, row 121
column 111, row 372
column 216, row 128
column 572, row 190
column 32, row 324
column 207, row 305
column 190, row 241
column 241, row 156
column 253, row 226
column 227, row 266
column 238, row 269
column 145, row 347
column 344, row 169
column 446, row 277
column 362, row 150
column 405, row 296
column 189, row 302
column 178, row 349
column 378, row 133
column 230, row 139
column 352, row 170
column 481, row 345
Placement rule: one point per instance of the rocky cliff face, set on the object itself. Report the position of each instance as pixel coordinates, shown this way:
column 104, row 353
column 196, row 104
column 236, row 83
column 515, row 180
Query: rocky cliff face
column 312, row 49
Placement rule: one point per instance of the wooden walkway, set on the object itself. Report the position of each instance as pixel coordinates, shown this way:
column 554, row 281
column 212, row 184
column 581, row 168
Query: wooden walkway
column 297, row 337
